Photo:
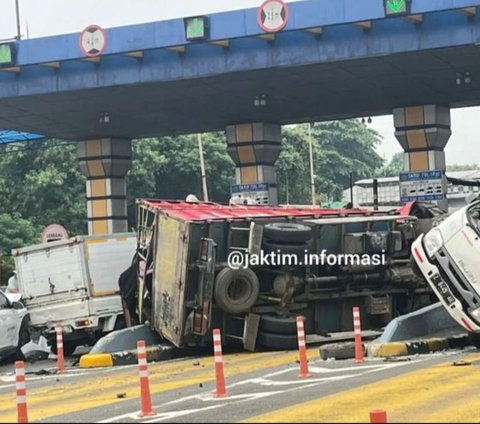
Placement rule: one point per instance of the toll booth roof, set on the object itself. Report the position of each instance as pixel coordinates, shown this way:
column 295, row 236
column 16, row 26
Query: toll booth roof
column 207, row 211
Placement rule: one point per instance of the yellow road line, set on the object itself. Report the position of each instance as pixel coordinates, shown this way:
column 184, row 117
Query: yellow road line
column 442, row 393
column 68, row 397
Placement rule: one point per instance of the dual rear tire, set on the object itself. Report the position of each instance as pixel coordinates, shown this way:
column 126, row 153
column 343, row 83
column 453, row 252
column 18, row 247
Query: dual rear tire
column 278, row 333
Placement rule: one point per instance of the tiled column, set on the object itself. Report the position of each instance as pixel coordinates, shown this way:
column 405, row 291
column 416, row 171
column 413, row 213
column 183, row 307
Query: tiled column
column 106, row 162
column 423, row 132
column 254, row 148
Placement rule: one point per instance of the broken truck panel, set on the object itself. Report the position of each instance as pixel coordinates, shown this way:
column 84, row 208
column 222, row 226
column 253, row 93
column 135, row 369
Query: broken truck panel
column 169, row 279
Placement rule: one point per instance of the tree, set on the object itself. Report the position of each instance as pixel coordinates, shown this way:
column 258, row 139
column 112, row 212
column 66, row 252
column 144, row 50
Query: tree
column 169, row 168
column 394, row 167
column 339, row 148
column 14, row 232
column 42, row 182
column 455, row 167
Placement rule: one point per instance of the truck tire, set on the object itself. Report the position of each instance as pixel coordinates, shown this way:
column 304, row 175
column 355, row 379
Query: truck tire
column 69, row 347
column 286, row 232
column 278, row 325
column 277, row 341
column 284, row 248
column 236, row 290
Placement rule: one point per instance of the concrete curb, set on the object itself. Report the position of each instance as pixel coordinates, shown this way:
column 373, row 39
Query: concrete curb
column 392, row 349
column 346, row 350
column 128, row 357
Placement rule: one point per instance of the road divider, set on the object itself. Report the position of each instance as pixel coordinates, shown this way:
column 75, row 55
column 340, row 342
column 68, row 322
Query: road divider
column 21, row 388
column 413, row 347
column 60, row 356
column 378, row 416
column 127, row 357
column 358, row 335
column 302, row 351
column 220, row 376
column 146, row 399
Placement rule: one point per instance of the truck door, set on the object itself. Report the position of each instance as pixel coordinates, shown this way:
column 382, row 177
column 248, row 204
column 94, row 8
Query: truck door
column 169, row 279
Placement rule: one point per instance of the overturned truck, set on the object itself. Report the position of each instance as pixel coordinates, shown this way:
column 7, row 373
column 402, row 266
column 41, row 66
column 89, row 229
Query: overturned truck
column 187, row 282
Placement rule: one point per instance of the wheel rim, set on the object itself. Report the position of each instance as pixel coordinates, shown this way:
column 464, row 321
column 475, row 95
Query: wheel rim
column 238, row 290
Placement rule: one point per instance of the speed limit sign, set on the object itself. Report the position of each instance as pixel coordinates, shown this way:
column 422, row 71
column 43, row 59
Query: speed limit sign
column 272, row 15
column 93, row 41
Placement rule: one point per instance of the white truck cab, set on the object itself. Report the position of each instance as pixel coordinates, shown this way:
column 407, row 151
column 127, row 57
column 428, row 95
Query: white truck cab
column 448, row 256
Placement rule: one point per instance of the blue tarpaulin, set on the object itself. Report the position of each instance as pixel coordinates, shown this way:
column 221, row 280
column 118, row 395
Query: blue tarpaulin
column 8, row 136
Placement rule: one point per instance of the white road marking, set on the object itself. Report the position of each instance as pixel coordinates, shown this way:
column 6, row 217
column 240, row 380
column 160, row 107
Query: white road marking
column 265, row 380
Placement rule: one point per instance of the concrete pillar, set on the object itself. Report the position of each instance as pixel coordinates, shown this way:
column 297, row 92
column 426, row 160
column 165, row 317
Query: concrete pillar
column 105, row 162
column 254, row 148
column 423, row 132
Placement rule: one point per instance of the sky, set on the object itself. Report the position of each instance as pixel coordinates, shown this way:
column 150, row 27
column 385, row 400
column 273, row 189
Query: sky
column 41, row 18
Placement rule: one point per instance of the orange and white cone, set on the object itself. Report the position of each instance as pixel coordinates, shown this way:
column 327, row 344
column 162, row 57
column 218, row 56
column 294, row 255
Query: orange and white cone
column 146, row 399
column 60, row 357
column 302, row 350
column 21, row 388
column 378, row 416
column 358, row 335
column 220, row 377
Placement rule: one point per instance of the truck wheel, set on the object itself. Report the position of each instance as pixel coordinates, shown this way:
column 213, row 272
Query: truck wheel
column 277, row 341
column 236, row 291
column 286, row 249
column 286, row 232
column 278, row 325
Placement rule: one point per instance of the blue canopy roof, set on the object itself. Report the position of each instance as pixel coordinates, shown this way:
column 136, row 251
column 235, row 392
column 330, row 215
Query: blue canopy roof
column 8, row 136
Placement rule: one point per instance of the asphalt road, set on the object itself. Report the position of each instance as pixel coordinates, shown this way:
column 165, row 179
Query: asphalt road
column 262, row 387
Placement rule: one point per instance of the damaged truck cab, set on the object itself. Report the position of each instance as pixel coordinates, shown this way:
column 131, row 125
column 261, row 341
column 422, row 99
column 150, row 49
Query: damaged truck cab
column 447, row 257
column 186, row 285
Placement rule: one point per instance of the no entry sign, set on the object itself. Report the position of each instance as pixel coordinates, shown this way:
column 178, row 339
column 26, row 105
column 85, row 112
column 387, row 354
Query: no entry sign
column 93, row 41
column 273, row 15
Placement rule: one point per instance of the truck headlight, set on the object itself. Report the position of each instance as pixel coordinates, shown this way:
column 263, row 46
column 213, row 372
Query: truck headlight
column 432, row 242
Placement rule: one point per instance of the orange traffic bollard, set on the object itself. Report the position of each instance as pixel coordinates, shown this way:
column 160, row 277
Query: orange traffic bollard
column 220, row 377
column 60, row 357
column 302, row 350
column 146, row 399
column 358, row 335
column 378, row 416
column 21, row 392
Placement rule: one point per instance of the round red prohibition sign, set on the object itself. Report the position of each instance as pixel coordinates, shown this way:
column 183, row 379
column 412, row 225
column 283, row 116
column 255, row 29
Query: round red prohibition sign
column 93, row 41
column 272, row 15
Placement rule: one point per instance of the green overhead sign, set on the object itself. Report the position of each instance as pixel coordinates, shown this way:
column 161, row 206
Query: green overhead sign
column 7, row 54
column 397, row 7
column 196, row 28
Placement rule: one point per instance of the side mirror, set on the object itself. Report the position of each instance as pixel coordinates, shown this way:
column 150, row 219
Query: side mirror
column 17, row 305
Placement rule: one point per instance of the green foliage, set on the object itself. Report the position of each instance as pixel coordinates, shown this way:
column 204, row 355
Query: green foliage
column 14, row 232
column 169, row 168
column 471, row 167
column 394, row 167
column 339, row 148
column 42, row 182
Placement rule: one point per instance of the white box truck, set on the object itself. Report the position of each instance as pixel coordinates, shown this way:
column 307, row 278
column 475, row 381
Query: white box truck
column 74, row 283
